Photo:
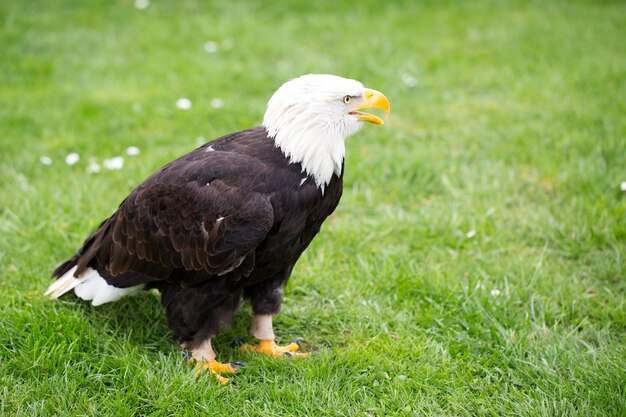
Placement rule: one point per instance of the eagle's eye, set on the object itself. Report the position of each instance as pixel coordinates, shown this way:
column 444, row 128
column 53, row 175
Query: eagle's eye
column 346, row 100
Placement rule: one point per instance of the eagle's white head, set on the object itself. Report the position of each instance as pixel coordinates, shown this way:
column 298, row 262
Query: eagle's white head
column 311, row 116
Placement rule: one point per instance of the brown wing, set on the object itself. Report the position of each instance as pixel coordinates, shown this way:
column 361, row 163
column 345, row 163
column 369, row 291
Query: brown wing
column 183, row 217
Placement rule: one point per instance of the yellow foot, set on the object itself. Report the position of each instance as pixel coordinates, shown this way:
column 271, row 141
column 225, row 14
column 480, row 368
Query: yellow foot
column 269, row 347
column 216, row 368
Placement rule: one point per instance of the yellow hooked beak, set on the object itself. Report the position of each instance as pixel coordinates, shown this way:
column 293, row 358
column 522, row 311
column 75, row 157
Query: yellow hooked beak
column 373, row 100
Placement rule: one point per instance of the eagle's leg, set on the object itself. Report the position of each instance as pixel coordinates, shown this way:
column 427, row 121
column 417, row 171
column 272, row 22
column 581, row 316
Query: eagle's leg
column 204, row 358
column 266, row 298
column 261, row 328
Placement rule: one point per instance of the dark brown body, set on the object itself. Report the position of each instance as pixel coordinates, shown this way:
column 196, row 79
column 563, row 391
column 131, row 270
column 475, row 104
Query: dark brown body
column 226, row 221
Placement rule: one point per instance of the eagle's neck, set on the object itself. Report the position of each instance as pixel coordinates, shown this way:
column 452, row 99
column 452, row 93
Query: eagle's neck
column 320, row 149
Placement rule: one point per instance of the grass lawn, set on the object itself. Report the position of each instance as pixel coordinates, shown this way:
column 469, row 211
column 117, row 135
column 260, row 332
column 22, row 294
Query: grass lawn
column 476, row 263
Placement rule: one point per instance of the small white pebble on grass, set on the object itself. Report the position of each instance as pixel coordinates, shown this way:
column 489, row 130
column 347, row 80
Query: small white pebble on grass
column 183, row 103
column 46, row 160
column 93, row 167
column 132, row 151
column 210, row 47
column 622, row 186
column 72, row 158
column 409, row 80
column 495, row 292
column 142, row 4
column 471, row 234
column 217, row 103
column 114, row 163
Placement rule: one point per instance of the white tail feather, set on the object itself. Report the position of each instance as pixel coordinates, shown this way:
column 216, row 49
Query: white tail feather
column 63, row 284
column 89, row 286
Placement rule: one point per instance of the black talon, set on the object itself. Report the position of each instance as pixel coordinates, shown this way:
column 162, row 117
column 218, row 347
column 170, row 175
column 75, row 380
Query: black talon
column 288, row 354
column 237, row 364
column 298, row 340
column 238, row 341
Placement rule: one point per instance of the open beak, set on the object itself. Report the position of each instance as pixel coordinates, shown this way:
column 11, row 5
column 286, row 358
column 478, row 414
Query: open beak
column 373, row 100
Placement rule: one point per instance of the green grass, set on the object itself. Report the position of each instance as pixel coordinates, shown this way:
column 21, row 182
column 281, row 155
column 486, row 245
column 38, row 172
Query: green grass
column 515, row 128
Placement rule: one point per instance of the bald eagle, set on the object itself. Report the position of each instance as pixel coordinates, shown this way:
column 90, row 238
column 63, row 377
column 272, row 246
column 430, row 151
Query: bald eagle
column 229, row 220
